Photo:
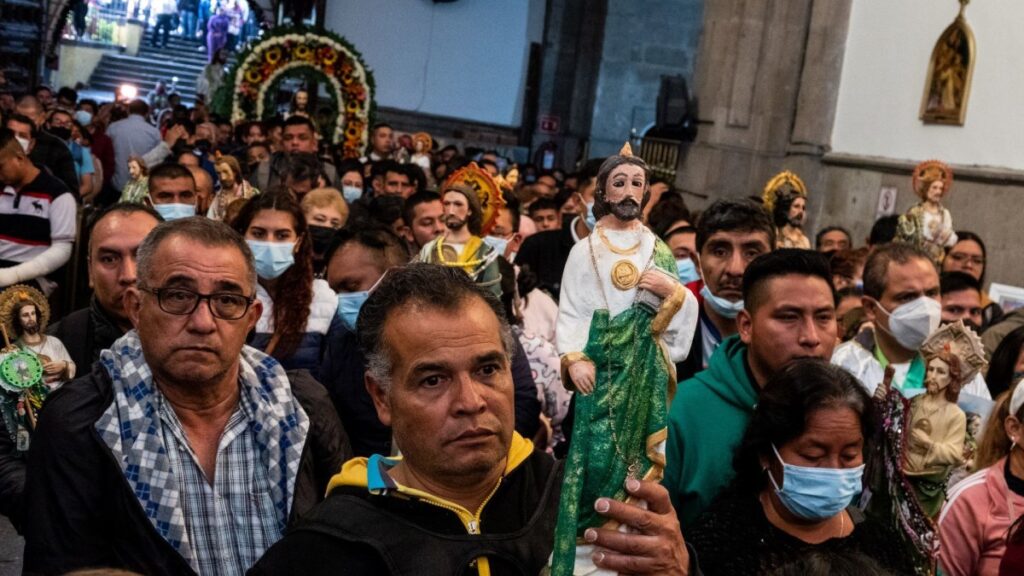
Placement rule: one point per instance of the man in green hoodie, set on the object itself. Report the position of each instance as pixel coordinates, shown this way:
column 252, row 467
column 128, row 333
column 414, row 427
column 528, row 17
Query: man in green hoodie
column 789, row 313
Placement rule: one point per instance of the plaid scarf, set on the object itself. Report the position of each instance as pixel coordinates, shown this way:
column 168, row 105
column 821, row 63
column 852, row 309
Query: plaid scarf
column 131, row 428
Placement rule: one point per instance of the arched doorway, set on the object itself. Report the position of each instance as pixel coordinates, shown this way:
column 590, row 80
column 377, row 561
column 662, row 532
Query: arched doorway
column 250, row 90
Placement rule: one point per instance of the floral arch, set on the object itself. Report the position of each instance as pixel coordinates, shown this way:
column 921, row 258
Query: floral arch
column 243, row 96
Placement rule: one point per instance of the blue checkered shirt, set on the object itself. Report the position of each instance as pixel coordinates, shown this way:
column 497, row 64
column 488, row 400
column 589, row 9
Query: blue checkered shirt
column 232, row 522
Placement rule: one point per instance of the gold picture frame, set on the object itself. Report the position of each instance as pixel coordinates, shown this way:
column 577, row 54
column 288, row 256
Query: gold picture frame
column 949, row 74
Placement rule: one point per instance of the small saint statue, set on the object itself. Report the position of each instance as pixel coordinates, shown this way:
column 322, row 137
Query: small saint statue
column 928, row 224
column 299, row 105
column 422, row 143
column 137, row 188
column 937, row 426
column 31, row 363
column 470, row 199
column 624, row 319
column 785, row 199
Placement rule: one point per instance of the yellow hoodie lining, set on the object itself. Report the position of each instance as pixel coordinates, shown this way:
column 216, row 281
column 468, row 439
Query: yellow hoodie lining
column 354, row 473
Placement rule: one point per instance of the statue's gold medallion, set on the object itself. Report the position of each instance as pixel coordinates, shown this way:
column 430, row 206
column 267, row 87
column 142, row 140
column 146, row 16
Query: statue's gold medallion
column 625, row 275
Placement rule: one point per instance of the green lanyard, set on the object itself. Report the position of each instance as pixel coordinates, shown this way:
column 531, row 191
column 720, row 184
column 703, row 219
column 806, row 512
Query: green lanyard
column 915, row 374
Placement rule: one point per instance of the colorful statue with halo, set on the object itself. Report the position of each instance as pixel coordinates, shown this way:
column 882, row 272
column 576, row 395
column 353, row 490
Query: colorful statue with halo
column 623, row 321
column 928, row 224
column 785, row 200
column 922, row 440
column 422, row 144
column 31, row 363
column 462, row 245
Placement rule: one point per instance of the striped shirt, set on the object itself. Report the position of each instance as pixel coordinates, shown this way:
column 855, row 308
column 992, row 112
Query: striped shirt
column 232, row 521
column 42, row 213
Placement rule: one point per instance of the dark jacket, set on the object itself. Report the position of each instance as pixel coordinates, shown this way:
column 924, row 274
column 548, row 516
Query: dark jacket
column 80, row 509
column 355, row 533
column 12, row 479
column 343, row 372
column 53, row 153
column 85, row 333
column 545, row 253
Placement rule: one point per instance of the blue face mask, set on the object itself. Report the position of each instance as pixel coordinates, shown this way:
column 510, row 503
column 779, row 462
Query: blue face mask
column 590, row 220
column 817, row 493
column 498, row 243
column 175, row 211
column 272, row 258
column 721, row 306
column 349, row 304
column 687, row 270
column 351, row 193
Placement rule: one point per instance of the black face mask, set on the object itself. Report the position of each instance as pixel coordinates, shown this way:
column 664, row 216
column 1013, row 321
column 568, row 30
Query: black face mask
column 62, row 132
column 321, row 236
column 203, row 145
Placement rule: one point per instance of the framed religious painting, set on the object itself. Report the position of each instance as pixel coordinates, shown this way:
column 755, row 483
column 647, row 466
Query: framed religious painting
column 949, row 74
column 1009, row 298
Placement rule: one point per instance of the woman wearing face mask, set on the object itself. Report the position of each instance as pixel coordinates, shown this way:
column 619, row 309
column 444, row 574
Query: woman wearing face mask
column 325, row 213
column 980, row 509
column 798, row 472
column 350, row 173
column 297, row 310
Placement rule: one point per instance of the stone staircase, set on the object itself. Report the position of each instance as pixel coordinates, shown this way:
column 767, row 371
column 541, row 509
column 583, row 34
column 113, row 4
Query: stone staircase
column 181, row 58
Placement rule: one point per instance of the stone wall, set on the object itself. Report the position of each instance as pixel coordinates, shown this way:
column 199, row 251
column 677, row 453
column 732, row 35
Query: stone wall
column 643, row 41
column 768, row 80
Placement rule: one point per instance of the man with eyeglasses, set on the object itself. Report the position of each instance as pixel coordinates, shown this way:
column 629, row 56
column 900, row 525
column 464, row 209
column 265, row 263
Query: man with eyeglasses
column 184, row 451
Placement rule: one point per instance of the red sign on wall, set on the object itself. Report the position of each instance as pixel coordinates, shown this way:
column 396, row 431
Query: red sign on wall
column 549, row 124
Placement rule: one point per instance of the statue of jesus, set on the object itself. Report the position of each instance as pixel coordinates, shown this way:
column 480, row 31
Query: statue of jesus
column 624, row 319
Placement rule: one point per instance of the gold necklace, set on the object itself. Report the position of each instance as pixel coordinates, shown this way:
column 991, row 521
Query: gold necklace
column 456, row 263
column 615, row 249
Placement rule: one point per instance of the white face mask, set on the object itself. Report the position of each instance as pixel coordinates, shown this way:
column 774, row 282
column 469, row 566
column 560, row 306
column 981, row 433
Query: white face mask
column 25, row 143
column 911, row 323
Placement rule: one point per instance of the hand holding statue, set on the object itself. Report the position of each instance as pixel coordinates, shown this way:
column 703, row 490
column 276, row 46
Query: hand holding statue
column 656, row 548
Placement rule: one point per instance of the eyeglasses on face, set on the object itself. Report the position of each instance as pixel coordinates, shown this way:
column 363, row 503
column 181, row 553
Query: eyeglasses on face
column 182, row 302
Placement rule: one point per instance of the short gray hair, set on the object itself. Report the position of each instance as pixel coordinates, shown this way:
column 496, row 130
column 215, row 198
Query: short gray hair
column 428, row 285
column 199, row 229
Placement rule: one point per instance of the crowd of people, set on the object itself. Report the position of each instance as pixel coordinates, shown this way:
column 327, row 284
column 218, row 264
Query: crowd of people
column 289, row 361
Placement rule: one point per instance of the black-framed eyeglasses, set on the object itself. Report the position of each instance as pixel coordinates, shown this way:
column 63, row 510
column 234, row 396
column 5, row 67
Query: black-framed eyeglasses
column 182, row 302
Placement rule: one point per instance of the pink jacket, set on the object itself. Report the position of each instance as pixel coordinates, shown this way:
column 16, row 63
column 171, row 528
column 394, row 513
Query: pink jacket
column 973, row 523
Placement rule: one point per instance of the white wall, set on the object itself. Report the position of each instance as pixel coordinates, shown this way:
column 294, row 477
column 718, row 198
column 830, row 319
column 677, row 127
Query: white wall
column 465, row 59
column 884, row 72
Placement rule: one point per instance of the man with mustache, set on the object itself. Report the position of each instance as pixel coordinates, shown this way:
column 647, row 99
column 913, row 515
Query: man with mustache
column 730, row 234
column 468, row 495
column 461, row 246
column 114, row 238
column 183, row 451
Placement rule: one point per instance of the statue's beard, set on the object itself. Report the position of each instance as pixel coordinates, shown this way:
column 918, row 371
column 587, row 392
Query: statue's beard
column 628, row 209
column 454, row 223
column 797, row 221
column 31, row 329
